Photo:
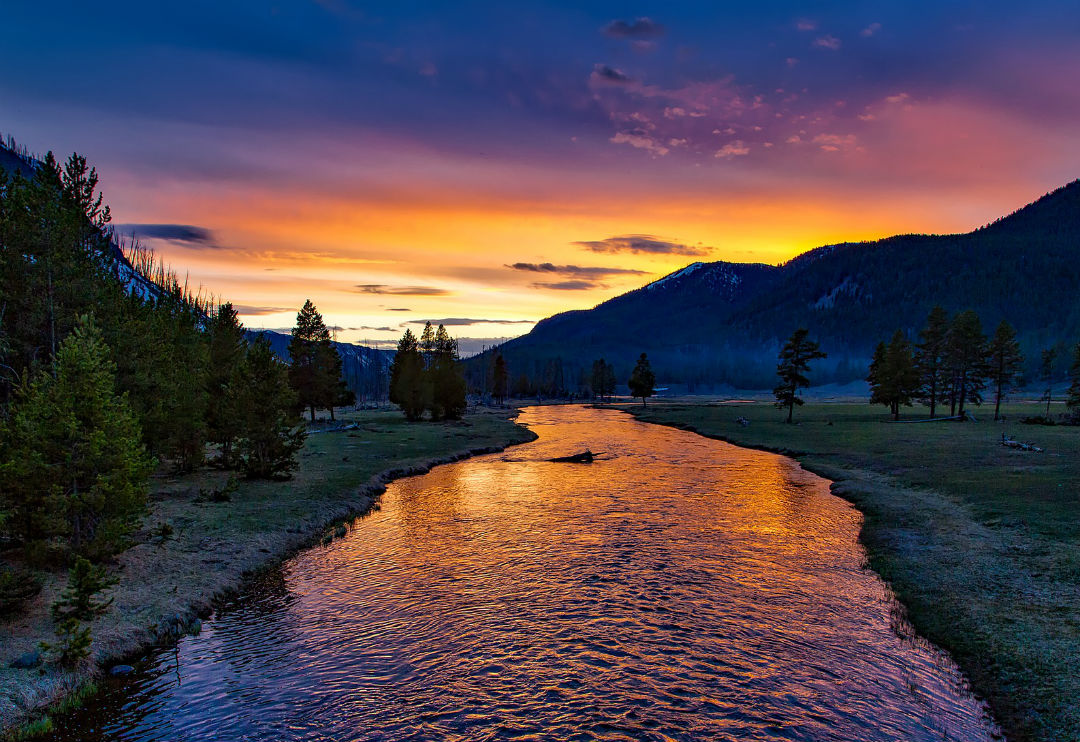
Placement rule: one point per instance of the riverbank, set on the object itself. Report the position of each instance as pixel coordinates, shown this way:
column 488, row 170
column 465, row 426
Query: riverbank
column 978, row 541
column 192, row 549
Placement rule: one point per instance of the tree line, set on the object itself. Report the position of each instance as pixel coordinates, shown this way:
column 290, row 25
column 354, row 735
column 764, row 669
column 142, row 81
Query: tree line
column 425, row 376
column 100, row 384
column 953, row 364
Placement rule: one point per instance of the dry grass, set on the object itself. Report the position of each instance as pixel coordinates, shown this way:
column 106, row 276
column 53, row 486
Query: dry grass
column 978, row 541
column 165, row 583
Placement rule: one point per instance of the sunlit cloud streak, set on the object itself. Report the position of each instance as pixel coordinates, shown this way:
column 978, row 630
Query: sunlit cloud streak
column 380, row 288
column 643, row 243
column 465, row 321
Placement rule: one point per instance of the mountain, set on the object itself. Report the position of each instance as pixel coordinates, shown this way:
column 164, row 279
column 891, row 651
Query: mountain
column 720, row 324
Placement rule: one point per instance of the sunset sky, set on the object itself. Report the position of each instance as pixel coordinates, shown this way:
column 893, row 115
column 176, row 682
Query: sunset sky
column 490, row 164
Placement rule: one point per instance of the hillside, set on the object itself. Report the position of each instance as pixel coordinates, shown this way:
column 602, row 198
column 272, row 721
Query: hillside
column 715, row 324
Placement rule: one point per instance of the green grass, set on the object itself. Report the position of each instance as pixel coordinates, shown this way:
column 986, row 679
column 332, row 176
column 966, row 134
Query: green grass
column 208, row 547
column 978, row 541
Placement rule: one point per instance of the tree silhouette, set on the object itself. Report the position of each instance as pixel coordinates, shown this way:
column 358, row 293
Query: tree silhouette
column 642, row 381
column 794, row 362
column 314, row 365
column 894, row 378
column 407, row 378
column 227, row 350
column 930, row 358
column 966, row 355
column 1073, row 400
column 1005, row 361
column 501, row 379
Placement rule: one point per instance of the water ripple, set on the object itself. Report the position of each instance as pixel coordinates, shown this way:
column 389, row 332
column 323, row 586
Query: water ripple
column 676, row 589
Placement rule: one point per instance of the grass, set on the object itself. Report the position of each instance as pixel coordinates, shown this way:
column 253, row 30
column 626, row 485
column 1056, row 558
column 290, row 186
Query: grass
column 192, row 551
column 980, row 542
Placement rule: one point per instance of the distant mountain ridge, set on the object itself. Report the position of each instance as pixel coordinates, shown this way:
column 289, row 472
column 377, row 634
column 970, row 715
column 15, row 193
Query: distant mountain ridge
column 720, row 323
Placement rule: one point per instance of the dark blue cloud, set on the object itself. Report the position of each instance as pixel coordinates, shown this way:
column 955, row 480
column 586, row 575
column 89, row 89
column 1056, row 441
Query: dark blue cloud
column 639, row 28
column 188, row 234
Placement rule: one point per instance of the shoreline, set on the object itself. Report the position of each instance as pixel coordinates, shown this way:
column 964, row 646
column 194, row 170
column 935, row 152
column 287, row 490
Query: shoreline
column 129, row 631
column 995, row 593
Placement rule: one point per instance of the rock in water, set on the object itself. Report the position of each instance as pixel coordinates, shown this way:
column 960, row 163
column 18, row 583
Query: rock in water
column 121, row 669
column 585, row 457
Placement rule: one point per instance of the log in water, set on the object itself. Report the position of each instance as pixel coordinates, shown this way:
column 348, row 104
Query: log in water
column 678, row 588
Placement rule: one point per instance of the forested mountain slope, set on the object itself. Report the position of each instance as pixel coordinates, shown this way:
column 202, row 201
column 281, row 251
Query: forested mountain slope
column 720, row 323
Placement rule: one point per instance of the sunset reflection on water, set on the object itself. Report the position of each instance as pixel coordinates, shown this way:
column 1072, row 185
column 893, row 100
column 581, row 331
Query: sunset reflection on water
column 676, row 588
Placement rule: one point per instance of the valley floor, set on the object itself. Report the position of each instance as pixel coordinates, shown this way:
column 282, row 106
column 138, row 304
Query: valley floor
column 979, row 541
column 174, row 573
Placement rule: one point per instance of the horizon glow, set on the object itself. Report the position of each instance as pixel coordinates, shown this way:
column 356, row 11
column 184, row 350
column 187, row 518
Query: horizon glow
column 496, row 165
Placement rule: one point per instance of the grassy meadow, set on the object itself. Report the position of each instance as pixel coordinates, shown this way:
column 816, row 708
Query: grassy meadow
column 194, row 547
column 979, row 541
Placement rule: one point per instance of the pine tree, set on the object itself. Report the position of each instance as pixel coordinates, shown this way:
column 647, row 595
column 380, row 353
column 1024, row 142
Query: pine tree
column 930, row 358
column 74, row 465
column 78, row 600
column 73, row 642
column 501, row 380
column 270, row 435
column 446, row 380
column 599, row 378
column 1046, row 374
column 609, row 380
column 314, row 366
column 642, row 381
column 228, row 347
column 1073, row 400
column 894, row 378
column 966, row 356
column 407, row 378
column 1005, row 362
column 794, row 362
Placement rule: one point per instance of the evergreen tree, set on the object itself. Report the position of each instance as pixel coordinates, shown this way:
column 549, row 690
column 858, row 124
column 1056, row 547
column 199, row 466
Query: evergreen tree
column 161, row 356
column 74, row 465
column 609, row 380
column 84, row 582
column 1073, row 400
column 642, row 381
column 1046, row 374
column 966, row 358
column 54, row 257
column 1005, row 362
column 270, row 435
column 447, row 382
column 894, row 378
column 228, row 347
column 794, row 363
column 407, row 378
column 332, row 389
column 315, row 366
column 501, row 380
column 598, row 381
column 930, row 358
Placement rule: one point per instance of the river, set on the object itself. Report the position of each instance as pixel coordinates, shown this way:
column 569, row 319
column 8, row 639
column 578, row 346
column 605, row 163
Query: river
column 678, row 588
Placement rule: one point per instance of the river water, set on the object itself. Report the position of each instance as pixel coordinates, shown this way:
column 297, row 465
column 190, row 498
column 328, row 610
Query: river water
column 679, row 588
